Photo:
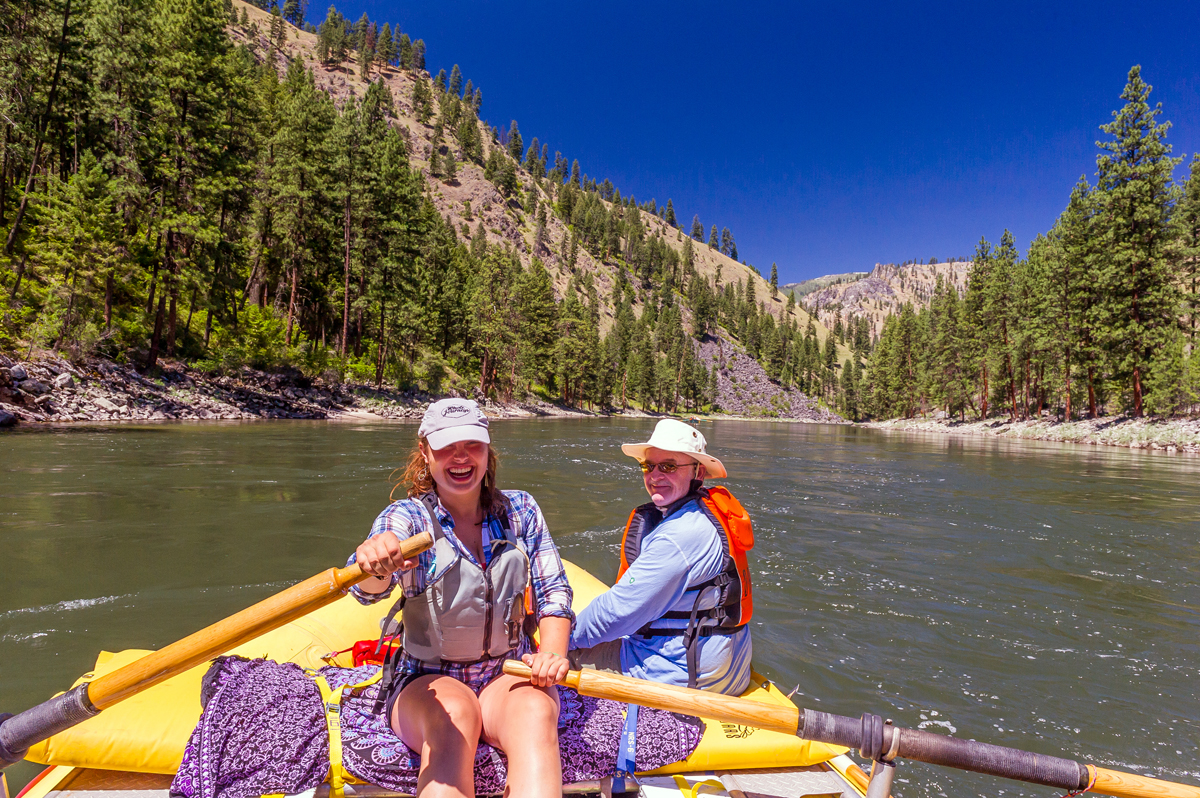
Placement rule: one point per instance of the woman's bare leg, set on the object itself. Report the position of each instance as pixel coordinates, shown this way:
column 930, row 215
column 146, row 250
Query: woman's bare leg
column 522, row 721
column 440, row 718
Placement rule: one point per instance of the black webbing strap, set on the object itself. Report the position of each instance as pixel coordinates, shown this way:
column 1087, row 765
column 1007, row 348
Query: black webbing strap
column 691, row 638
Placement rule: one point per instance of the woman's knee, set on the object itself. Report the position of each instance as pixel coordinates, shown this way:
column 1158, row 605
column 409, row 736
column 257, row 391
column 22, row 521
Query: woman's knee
column 446, row 713
column 536, row 709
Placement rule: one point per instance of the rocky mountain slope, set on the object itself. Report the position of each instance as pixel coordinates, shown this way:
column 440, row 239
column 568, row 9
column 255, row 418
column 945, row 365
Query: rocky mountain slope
column 883, row 291
column 506, row 221
column 806, row 287
column 470, row 198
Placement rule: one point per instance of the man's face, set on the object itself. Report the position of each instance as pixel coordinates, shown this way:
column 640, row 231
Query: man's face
column 667, row 488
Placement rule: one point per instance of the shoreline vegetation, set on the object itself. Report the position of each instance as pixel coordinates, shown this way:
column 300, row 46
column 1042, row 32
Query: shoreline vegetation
column 102, row 391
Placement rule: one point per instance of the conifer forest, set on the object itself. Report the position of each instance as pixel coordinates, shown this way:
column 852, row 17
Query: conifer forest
column 176, row 183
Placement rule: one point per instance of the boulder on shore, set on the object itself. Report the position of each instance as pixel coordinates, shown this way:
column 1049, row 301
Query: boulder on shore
column 7, row 419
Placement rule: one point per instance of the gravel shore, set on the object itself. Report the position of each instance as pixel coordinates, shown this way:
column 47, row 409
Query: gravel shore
column 1164, row 434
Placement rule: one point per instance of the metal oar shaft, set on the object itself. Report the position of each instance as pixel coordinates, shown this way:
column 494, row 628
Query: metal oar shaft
column 876, row 740
column 872, row 737
column 19, row 732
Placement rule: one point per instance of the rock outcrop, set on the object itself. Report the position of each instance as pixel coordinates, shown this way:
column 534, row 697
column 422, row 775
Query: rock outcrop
column 883, row 291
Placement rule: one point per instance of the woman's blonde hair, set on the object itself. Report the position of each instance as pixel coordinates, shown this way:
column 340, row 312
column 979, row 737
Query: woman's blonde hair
column 418, row 481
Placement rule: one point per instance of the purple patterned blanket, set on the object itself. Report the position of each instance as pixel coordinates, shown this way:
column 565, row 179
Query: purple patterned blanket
column 263, row 731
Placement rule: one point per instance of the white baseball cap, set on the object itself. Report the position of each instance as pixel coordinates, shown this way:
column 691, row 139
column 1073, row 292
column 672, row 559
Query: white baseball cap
column 672, row 435
column 448, row 421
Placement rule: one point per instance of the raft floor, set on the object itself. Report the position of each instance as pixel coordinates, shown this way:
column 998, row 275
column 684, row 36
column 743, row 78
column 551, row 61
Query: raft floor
column 818, row 781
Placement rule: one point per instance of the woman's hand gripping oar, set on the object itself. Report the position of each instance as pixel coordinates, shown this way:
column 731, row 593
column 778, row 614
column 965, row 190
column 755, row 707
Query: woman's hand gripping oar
column 19, row 732
column 872, row 737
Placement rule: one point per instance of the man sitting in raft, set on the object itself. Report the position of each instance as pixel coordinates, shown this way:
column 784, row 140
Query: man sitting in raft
column 679, row 609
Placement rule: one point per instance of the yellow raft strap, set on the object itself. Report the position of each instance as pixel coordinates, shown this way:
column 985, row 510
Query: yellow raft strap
column 332, row 699
column 692, row 790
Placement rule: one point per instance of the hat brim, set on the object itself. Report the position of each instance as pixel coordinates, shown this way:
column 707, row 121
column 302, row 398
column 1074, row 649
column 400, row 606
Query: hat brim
column 714, row 467
column 452, row 435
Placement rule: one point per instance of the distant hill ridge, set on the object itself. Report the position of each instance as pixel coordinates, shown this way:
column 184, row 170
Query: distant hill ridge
column 879, row 293
column 806, row 287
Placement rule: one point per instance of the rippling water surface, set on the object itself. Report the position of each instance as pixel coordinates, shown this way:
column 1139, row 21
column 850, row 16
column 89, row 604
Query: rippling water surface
column 1040, row 596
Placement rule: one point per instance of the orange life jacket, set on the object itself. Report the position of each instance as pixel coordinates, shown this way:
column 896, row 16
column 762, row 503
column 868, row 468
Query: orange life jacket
column 735, row 603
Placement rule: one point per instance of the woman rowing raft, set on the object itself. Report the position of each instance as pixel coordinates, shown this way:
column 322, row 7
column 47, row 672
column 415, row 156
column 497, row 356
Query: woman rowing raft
column 464, row 607
column 679, row 610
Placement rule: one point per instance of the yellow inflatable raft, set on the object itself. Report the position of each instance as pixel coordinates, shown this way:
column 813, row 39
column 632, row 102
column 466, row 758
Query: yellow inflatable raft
column 147, row 732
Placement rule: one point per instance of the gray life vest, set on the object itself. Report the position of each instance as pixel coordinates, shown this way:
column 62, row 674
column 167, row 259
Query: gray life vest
column 466, row 612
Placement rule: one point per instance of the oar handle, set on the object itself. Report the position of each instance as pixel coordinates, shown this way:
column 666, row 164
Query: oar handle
column 871, row 736
column 714, row 706
column 19, row 732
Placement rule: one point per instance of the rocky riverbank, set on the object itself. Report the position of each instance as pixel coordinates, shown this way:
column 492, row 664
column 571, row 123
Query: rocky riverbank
column 53, row 390
column 50, row 389
column 1164, row 434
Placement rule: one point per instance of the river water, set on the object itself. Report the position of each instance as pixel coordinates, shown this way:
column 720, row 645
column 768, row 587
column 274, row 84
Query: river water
column 1041, row 596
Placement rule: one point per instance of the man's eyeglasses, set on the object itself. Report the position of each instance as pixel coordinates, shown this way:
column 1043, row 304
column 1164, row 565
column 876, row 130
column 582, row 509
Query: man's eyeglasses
column 666, row 468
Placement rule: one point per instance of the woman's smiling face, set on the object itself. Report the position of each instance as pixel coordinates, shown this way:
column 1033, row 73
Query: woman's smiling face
column 667, row 488
column 458, row 469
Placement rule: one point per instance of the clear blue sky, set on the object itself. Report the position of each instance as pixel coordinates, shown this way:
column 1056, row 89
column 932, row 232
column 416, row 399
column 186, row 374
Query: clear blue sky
column 826, row 136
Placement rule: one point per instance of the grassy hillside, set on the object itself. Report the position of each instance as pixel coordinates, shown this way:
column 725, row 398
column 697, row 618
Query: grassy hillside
column 505, row 221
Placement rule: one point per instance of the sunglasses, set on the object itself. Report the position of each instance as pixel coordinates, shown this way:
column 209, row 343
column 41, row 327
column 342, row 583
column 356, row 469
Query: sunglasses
column 666, row 468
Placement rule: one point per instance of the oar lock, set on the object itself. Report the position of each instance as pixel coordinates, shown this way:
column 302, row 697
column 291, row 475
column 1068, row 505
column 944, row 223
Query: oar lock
column 877, row 733
column 873, row 739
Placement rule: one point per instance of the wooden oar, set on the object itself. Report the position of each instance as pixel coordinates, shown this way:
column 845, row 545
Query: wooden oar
column 871, row 736
column 19, row 732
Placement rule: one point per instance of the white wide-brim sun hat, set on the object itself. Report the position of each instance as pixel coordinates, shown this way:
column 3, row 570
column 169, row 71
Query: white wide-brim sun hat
column 671, row 435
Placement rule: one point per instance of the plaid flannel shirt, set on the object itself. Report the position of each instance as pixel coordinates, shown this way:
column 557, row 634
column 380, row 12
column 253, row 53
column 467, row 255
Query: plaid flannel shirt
column 552, row 593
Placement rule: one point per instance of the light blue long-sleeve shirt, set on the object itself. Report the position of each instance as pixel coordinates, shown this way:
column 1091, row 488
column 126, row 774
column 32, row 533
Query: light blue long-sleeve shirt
column 681, row 552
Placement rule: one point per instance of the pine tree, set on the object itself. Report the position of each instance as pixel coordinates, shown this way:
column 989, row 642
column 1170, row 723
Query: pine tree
column 697, row 229
column 294, row 10
column 276, row 30
column 439, row 82
column 358, row 34
column 404, row 51
column 1136, row 196
column 538, row 313
column 422, row 101
column 385, row 47
column 456, row 81
column 417, row 58
column 533, row 163
column 1001, row 313
column 516, row 147
column 1187, row 254
column 775, row 282
column 714, row 240
column 575, row 174
column 669, row 216
column 493, row 317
